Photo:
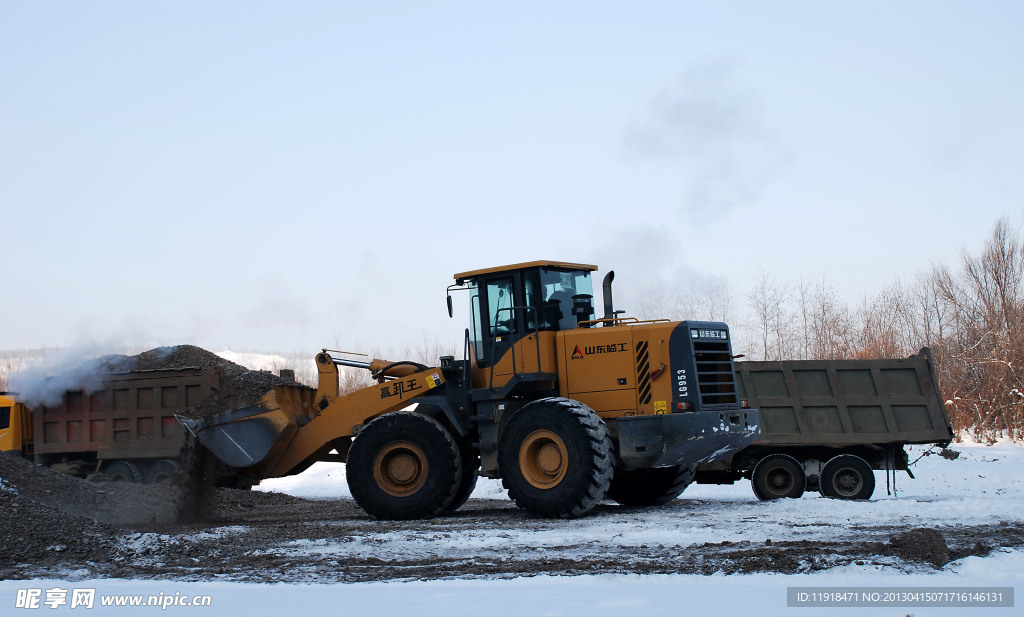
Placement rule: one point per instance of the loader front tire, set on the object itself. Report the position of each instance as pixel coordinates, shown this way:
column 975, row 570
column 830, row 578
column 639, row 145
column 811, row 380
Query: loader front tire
column 403, row 465
column 555, row 458
column 650, row 487
column 467, row 482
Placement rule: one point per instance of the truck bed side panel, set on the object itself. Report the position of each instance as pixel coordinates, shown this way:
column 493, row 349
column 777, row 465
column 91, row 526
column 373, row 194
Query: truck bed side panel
column 845, row 402
column 125, row 415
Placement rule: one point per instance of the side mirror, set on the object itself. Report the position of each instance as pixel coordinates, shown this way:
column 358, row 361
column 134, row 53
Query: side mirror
column 450, row 306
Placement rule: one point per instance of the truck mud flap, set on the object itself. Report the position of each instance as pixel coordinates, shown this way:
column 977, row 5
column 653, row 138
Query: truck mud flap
column 685, row 438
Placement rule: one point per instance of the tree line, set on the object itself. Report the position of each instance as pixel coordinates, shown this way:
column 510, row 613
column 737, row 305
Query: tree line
column 969, row 315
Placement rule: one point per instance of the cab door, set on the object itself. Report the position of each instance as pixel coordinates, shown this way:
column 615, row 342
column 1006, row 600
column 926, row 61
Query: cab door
column 496, row 322
column 500, row 320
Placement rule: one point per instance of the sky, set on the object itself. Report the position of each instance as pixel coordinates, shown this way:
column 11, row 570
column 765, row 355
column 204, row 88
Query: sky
column 290, row 176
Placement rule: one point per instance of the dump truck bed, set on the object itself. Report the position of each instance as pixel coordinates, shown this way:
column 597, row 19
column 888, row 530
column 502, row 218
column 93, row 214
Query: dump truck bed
column 846, row 402
column 123, row 415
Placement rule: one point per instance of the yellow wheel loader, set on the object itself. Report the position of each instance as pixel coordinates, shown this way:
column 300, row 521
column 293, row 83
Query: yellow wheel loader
column 566, row 408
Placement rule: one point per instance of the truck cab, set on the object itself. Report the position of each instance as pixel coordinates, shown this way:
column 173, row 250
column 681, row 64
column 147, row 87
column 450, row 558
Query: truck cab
column 15, row 425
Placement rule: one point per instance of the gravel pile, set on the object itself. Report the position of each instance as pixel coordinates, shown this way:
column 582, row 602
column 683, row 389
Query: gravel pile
column 114, row 503
column 176, row 357
column 35, row 534
column 241, row 391
column 925, row 545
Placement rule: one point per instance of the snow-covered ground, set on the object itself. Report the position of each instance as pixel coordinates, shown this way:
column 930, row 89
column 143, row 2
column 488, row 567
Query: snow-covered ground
column 760, row 595
column 984, row 485
column 937, row 480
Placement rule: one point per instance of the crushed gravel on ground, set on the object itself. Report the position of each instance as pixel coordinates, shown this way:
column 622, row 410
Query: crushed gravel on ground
column 150, row 506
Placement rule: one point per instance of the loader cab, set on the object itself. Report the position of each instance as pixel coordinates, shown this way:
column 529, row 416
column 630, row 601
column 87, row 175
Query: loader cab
column 510, row 302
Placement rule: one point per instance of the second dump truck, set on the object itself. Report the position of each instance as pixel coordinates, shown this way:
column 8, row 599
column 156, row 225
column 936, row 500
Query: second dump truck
column 826, row 424
column 565, row 407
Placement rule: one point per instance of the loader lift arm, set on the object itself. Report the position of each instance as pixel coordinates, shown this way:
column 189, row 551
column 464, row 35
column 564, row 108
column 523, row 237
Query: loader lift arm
column 290, row 428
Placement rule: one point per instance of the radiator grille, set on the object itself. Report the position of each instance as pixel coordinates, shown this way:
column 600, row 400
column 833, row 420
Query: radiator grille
column 715, row 379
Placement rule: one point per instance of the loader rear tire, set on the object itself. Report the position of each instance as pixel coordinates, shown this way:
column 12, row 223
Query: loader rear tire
column 650, row 487
column 847, row 477
column 403, row 465
column 123, row 471
column 555, row 458
column 777, row 476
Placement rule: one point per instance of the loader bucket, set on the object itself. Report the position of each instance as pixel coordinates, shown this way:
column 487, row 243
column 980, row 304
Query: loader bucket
column 256, row 434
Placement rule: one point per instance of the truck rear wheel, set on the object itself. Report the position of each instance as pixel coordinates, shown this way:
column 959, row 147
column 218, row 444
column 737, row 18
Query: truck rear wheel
column 650, row 487
column 847, row 477
column 555, row 458
column 123, row 471
column 163, row 470
column 403, row 465
column 777, row 476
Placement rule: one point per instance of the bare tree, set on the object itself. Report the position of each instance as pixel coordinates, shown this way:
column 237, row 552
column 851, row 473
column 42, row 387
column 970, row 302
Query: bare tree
column 831, row 324
column 773, row 320
column 982, row 336
column 709, row 300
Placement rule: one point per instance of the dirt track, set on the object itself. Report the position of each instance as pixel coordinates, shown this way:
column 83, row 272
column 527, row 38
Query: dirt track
column 253, row 536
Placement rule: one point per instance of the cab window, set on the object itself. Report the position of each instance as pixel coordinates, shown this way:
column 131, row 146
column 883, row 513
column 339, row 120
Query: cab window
column 499, row 306
column 5, row 418
column 476, row 320
column 558, row 289
column 534, row 299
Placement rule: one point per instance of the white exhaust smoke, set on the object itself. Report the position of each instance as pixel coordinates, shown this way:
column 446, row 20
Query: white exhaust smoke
column 42, row 381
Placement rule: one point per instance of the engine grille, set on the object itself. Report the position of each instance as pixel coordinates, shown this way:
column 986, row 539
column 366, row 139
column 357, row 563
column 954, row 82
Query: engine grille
column 715, row 380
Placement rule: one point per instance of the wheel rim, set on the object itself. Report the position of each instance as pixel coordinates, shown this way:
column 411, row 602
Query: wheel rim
column 543, row 459
column 779, row 481
column 847, row 482
column 400, row 468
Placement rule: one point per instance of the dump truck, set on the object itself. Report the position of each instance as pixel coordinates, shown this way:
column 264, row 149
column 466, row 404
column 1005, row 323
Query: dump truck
column 564, row 407
column 827, row 424
column 119, row 423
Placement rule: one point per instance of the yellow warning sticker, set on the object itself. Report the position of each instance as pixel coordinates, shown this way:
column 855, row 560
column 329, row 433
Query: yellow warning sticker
column 434, row 380
column 660, row 407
